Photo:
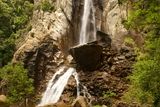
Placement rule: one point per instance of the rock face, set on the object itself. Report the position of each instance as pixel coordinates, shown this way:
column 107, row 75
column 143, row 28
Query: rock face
column 110, row 17
column 45, row 26
column 49, row 28
column 55, row 25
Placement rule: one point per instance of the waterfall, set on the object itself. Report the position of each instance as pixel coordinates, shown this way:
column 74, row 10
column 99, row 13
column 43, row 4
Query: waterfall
column 60, row 79
column 56, row 86
column 88, row 29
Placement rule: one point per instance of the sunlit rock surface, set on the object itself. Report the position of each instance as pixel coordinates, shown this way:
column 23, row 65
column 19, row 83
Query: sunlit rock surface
column 110, row 18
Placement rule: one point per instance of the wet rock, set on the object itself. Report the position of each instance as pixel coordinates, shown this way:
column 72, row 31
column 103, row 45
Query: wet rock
column 88, row 56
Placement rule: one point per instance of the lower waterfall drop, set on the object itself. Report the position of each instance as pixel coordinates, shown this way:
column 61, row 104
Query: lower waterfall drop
column 56, row 86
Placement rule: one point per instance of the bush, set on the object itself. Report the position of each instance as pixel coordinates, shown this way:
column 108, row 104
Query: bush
column 128, row 41
column 16, row 82
column 46, row 6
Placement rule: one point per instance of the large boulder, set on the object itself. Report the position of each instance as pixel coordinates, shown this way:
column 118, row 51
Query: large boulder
column 3, row 101
column 88, row 56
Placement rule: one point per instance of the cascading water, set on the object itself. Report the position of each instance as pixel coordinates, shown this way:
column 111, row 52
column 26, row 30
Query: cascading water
column 58, row 82
column 56, row 86
column 88, row 29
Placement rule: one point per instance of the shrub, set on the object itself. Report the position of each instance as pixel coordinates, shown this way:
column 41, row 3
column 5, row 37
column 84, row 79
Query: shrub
column 128, row 41
column 16, row 82
column 46, row 6
column 108, row 94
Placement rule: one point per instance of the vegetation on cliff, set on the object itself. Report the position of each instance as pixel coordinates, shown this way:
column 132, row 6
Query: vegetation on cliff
column 46, row 6
column 144, row 17
column 14, row 18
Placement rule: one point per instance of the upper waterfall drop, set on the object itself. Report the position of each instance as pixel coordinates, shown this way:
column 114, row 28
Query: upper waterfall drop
column 88, row 28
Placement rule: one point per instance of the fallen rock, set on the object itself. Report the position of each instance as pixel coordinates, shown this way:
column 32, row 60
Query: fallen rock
column 3, row 98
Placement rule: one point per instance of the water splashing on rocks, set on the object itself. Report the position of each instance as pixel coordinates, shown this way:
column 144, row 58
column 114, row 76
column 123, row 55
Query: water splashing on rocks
column 57, row 84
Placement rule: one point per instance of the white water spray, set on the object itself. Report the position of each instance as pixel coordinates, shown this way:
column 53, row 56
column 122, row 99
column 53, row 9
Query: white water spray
column 88, row 29
column 55, row 88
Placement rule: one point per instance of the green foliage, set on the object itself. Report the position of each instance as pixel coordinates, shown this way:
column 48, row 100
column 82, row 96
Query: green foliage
column 145, row 18
column 14, row 16
column 14, row 78
column 128, row 41
column 108, row 94
column 144, row 15
column 46, row 6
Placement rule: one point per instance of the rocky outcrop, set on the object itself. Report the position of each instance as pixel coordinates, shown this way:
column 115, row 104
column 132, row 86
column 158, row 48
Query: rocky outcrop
column 108, row 84
column 88, row 56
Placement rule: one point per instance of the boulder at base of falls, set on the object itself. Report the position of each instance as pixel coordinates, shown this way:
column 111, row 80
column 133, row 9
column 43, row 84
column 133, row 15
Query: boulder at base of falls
column 58, row 104
column 88, row 56
column 3, row 101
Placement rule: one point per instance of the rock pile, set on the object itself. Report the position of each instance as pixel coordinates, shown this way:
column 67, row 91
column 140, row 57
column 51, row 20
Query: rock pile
column 107, row 84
